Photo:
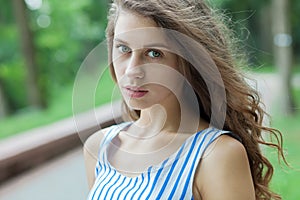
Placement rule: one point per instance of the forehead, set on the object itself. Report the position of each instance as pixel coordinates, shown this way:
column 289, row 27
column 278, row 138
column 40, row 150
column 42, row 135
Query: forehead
column 129, row 20
column 137, row 30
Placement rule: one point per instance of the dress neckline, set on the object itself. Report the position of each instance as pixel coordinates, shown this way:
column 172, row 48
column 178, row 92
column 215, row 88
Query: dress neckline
column 154, row 167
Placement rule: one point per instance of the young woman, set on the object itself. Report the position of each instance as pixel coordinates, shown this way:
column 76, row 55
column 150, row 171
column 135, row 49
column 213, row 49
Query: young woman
column 195, row 126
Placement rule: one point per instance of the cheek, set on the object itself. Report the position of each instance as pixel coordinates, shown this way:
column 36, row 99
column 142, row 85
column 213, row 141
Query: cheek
column 119, row 68
column 118, row 72
column 174, row 62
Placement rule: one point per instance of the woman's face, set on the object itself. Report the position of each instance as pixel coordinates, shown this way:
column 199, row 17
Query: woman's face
column 143, row 63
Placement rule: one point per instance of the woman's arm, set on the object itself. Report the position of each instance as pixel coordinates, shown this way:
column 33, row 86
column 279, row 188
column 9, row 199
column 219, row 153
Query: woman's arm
column 224, row 172
column 90, row 152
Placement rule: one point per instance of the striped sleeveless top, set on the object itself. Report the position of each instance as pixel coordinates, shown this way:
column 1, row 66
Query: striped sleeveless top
column 171, row 179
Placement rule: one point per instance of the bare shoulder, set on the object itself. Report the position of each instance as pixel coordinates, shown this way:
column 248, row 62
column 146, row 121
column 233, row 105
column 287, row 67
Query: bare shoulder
column 225, row 168
column 93, row 141
column 90, row 152
column 226, row 145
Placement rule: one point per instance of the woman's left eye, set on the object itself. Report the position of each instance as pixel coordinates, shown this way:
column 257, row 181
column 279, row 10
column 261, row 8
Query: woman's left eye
column 154, row 53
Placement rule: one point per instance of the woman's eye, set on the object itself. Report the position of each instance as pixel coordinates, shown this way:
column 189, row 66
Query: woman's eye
column 124, row 49
column 154, row 54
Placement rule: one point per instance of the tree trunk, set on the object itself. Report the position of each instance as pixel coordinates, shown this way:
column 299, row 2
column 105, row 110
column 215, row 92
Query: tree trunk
column 283, row 52
column 3, row 103
column 265, row 29
column 28, row 51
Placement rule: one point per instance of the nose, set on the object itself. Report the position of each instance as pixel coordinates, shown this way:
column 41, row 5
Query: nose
column 134, row 69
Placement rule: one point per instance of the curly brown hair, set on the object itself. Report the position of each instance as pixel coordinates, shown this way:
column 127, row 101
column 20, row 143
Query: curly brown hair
column 244, row 110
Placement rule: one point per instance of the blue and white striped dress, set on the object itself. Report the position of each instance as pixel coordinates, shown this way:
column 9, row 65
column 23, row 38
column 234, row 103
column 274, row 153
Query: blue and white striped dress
column 172, row 179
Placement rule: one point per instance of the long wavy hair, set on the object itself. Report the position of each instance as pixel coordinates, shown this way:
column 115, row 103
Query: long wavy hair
column 244, row 111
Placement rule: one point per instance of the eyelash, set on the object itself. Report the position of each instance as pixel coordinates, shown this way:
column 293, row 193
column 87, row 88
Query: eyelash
column 119, row 46
column 156, row 51
column 147, row 52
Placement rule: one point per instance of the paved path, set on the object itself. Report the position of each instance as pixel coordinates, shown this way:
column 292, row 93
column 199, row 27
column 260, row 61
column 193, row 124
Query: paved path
column 269, row 88
column 60, row 179
column 64, row 178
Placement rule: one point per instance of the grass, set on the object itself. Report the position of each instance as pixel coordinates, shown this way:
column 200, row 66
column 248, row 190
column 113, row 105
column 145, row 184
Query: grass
column 286, row 179
column 60, row 107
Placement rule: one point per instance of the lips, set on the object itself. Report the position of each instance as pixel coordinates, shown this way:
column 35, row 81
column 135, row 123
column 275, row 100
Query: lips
column 135, row 92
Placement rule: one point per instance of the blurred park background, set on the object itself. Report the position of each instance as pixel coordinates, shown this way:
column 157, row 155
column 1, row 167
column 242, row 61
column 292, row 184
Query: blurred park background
column 44, row 42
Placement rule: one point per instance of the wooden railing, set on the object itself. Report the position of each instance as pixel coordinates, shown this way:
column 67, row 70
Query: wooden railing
column 29, row 149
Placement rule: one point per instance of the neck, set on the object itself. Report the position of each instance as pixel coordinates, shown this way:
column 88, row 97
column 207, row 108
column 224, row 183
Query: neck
column 168, row 118
column 159, row 118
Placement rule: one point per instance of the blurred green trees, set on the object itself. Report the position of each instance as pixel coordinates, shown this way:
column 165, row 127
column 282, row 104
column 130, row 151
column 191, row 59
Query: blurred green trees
column 64, row 32
column 269, row 30
column 252, row 23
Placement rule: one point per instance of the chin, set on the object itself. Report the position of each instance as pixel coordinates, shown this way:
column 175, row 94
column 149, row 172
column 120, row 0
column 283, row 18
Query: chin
column 137, row 104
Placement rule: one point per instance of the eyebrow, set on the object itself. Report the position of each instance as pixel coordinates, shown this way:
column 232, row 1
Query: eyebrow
column 161, row 45
column 120, row 40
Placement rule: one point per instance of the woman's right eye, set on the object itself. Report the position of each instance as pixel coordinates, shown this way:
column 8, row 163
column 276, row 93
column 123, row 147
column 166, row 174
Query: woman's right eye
column 123, row 49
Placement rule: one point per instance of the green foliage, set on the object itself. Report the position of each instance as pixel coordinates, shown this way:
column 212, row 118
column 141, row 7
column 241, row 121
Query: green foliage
column 71, row 35
column 63, row 32
column 9, row 43
column 12, row 73
column 5, row 12
column 235, row 5
column 76, row 27
column 286, row 179
column 60, row 107
column 13, row 76
column 247, row 17
column 295, row 19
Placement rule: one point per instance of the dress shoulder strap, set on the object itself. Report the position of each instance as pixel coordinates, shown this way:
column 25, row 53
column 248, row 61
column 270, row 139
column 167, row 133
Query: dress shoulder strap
column 108, row 136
